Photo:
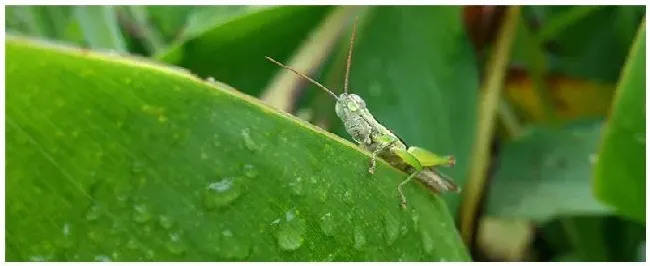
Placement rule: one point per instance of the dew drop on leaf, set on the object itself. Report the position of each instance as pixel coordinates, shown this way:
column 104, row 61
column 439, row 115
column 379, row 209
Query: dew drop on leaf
column 175, row 245
column 416, row 219
column 290, row 233
column 392, row 228
column 249, row 143
column 165, row 221
column 93, row 213
column 233, row 247
column 347, row 197
column 296, row 186
column 250, row 171
column 132, row 244
column 102, row 258
column 427, row 241
column 327, row 224
column 137, row 167
column 37, row 258
column 141, row 214
column 220, row 194
column 359, row 238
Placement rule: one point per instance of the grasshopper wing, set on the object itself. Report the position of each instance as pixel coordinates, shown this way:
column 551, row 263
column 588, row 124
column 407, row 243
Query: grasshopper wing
column 437, row 181
column 427, row 158
column 409, row 159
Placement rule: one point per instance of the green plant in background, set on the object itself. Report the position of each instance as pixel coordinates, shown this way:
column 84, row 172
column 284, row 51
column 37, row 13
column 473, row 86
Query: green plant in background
column 124, row 142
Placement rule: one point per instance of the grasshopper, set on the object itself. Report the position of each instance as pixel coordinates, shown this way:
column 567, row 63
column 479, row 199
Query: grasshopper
column 372, row 136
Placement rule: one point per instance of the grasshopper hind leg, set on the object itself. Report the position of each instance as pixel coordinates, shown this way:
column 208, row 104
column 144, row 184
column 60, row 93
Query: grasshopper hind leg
column 399, row 188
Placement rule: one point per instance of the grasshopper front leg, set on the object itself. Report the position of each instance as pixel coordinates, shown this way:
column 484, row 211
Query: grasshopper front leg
column 383, row 142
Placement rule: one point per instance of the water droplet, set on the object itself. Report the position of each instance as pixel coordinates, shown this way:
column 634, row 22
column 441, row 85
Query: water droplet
column 132, row 244
column 427, row 241
column 115, row 256
column 122, row 200
column 220, row 194
column 359, row 238
column 250, row 171
column 290, row 233
column 102, row 258
column 404, row 230
column 593, row 158
column 290, row 238
column 327, row 224
column 330, row 258
column 231, row 247
column 290, row 214
column 137, row 167
column 347, row 197
column 66, row 229
column 95, row 237
column 93, row 213
column 141, row 214
column 249, row 143
column 149, row 253
column 37, row 258
column 392, row 228
column 175, row 245
column 210, row 79
column 416, row 219
column 321, row 194
column 296, row 186
column 165, row 221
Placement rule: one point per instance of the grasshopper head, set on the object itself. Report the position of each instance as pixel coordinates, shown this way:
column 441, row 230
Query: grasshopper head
column 348, row 105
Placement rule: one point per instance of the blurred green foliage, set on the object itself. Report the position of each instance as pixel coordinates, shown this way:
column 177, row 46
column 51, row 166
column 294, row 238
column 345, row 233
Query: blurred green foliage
column 580, row 184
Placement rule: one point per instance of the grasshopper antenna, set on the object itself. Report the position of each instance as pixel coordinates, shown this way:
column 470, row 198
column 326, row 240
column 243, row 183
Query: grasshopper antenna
column 304, row 76
column 347, row 70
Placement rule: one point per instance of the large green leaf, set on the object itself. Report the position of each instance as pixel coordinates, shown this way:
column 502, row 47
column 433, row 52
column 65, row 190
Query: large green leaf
column 620, row 172
column 546, row 173
column 415, row 68
column 117, row 159
column 235, row 48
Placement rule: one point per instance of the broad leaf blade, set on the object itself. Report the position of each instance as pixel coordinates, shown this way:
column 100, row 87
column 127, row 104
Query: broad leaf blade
column 620, row 173
column 115, row 159
column 546, row 173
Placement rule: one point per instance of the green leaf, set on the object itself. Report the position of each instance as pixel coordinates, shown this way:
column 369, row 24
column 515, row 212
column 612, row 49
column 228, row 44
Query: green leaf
column 30, row 20
column 205, row 18
column 170, row 20
column 416, row 71
column 592, row 47
column 233, row 50
column 139, row 18
column 594, row 237
column 100, row 27
column 117, row 159
column 620, row 172
column 546, row 173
